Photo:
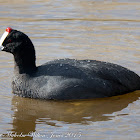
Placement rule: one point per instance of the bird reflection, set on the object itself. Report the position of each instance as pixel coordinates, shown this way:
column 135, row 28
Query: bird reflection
column 28, row 113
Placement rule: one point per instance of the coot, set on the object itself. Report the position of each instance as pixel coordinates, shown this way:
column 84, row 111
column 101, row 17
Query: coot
column 63, row 79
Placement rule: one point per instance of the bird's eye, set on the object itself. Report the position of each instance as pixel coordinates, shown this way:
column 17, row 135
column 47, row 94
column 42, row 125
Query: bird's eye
column 9, row 41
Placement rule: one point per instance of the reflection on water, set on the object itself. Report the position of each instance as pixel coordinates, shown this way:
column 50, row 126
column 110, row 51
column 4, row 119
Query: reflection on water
column 69, row 111
column 28, row 113
column 83, row 29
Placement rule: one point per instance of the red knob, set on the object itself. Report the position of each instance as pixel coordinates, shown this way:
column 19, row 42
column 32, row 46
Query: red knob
column 8, row 29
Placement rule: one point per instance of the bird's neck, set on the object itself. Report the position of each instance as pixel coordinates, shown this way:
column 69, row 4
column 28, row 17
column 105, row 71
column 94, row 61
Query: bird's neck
column 25, row 62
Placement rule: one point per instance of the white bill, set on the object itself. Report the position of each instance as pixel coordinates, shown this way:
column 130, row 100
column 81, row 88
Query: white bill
column 3, row 38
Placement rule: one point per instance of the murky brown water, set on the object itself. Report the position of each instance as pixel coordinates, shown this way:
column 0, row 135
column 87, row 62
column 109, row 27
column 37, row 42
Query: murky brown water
column 106, row 30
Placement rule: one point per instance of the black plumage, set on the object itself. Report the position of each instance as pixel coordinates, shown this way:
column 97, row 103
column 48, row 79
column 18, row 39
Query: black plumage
column 64, row 79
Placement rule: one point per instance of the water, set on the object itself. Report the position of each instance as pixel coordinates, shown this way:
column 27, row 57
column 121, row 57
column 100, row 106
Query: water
column 82, row 29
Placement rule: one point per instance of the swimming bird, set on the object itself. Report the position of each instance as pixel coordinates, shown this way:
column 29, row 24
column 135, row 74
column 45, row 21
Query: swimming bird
column 63, row 79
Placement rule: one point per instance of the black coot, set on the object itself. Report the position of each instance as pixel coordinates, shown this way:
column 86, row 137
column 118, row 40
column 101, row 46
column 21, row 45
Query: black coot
column 64, row 78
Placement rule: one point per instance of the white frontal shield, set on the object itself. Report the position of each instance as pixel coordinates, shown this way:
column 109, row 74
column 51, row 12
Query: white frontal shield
column 2, row 40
